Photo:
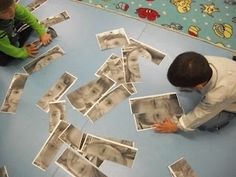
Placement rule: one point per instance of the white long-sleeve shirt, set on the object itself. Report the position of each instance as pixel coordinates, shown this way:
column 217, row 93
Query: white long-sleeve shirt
column 217, row 95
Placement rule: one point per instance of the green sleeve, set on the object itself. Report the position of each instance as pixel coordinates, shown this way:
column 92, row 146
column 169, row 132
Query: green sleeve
column 11, row 50
column 23, row 14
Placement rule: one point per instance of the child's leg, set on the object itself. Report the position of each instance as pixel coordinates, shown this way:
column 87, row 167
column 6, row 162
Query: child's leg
column 5, row 59
column 23, row 31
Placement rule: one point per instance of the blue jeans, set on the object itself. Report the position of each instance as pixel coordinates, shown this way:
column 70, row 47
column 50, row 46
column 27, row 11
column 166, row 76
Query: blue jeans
column 218, row 122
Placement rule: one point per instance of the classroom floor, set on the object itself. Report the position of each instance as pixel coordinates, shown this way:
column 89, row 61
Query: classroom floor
column 23, row 134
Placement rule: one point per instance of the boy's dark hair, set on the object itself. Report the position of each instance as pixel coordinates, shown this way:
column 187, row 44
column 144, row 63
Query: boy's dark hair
column 189, row 69
column 4, row 4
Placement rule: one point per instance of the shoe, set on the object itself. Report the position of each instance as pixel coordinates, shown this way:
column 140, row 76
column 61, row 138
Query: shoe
column 234, row 58
column 213, row 129
column 52, row 32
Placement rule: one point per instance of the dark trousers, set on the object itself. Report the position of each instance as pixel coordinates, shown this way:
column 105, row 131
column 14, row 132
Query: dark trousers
column 218, row 122
column 23, row 36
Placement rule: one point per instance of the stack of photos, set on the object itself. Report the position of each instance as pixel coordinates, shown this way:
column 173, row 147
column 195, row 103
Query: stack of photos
column 50, row 147
column 131, row 55
column 112, row 39
column 107, row 102
column 53, row 20
column 35, row 4
column 113, row 68
column 109, row 150
column 181, row 168
column 3, row 171
column 56, row 113
column 153, row 109
column 43, row 60
column 14, row 93
column 77, row 165
column 56, row 91
column 83, row 98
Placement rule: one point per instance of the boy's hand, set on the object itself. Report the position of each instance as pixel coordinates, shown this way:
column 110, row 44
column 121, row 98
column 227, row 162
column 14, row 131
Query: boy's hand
column 167, row 126
column 31, row 49
column 45, row 38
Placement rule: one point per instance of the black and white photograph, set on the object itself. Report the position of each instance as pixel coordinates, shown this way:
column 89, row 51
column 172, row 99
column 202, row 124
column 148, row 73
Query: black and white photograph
column 14, row 93
column 44, row 60
column 53, row 20
column 57, row 112
column 153, row 109
column 50, row 148
column 104, row 69
column 3, row 171
column 77, row 165
column 56, row 91
column 112, row 39
column 107, row 102
column 83, row 98
column 72, row 136
column 109, row 150
column 181, row 168
column 35, row 4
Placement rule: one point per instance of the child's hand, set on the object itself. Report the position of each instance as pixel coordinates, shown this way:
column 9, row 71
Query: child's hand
column 167, row 126
column 45, row 38
column 32, row 50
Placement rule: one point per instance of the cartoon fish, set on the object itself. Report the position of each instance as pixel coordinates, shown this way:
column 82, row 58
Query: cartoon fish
column 123, row 6
column 224, row 30
column 209, row 9
column 174, row 26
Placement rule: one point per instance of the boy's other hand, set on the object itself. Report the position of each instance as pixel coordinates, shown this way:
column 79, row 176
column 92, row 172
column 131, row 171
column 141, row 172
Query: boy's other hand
column 31, row 49
column 45, row 38
column 167, row 126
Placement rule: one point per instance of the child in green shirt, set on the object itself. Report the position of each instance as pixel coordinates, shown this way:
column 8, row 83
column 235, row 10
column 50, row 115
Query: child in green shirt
column 13, row 37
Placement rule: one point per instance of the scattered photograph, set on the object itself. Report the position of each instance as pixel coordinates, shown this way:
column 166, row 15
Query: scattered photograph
column 14, row 93
column 112, row 39
column 109, row 150
column 77, row 166
column 3, row 171
column 181, row 168
column 53, row 20
column 35, row 4
column 130, row 87
column 43, row 60
column 72, row 136
column 50, row 148
column 153, row 109
column 107, row 102
column 83, row 98
column 56, row 91
column 57, row 112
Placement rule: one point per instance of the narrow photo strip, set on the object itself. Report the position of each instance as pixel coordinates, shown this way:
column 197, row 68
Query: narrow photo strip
column 50, row 148
column 77, row 165
column 35, row 4
column 44, row 60
column 14, row 93
column 107, row 102
column 57, row 112
column 53, row 20
column 72, row 136
column 3, row 171
column 83, row 98
column 181, row 168
column 112, row 39
column 153, row 109
column 56, row 91
column 109, row 150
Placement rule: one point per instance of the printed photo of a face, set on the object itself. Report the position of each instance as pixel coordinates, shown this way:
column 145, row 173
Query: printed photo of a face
column 181, row 168
column 35, row 4
column 14, row 93
column 56, row 91
column 109, row 101
column 72, row 136
column 50, row 148
column 109, row 150
column 77, row 166
column 83, row 98
column 44, row 60
column 112, row 39
column 150, row 110
column 3, row 171
column 56, row 113
column 53, row 20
